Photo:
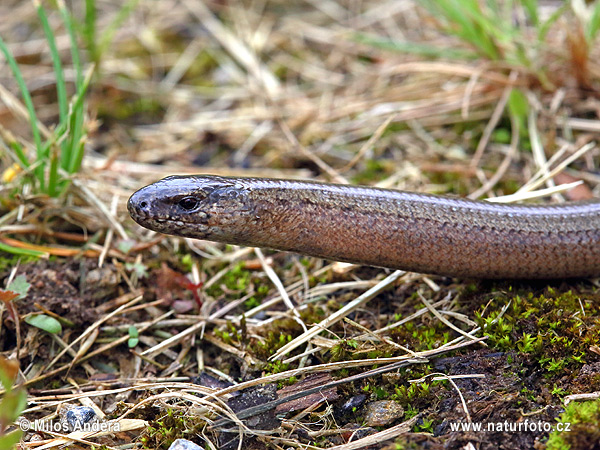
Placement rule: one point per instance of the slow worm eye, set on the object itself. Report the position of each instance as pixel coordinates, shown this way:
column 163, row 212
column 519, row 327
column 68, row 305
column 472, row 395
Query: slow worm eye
column 188, row 203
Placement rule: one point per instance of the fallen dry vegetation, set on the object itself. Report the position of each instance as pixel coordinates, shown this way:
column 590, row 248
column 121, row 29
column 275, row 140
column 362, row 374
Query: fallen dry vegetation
column 167, row 338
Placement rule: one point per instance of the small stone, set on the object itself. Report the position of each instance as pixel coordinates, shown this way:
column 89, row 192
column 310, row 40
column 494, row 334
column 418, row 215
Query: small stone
column 382, row 412
column 101, row 283
column 184, row 444
column 351, row 408
column 80, row 415
column 354, row 403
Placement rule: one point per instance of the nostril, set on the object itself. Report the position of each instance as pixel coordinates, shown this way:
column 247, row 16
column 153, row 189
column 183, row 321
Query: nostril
column 143, row 204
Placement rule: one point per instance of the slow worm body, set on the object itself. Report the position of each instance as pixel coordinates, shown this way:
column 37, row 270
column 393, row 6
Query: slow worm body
column 378, row 227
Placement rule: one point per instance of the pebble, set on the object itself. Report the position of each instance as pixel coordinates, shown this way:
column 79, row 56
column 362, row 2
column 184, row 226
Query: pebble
column 78, row 416
column 184, row 444
column 382, row 412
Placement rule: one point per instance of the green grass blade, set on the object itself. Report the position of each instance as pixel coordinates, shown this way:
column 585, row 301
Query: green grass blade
column 10, row 440
column 39, row 170
column 21, row 251
column 77, row 158
column 76, row 134
column 518, row 108
column 66, row 16
column 545, row 27
column 89, row 31
column 61, row 90
column 465, row 20
column 53, row 178
column 76, row 119
column 492, row 28
column 531, row 7
column 415, row 48
column 594, row 24
column 18, row 149
column 109, row 32
column 61, row 95
column 77, row 155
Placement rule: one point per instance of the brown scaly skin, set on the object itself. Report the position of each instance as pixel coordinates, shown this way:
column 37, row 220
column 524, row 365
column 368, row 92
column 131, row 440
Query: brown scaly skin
column 378, row 227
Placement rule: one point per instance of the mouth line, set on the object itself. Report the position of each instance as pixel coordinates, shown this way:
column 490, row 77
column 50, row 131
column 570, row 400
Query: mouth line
column 146, row 218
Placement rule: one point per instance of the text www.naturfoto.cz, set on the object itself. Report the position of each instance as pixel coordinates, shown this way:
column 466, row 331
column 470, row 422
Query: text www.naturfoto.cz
column 508, row 427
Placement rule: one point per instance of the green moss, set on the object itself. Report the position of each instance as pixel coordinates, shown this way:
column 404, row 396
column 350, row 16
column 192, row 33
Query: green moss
column 203, row 64
column 225, row 336
column 171, row 426
column 402, row 444
column 251, row 303
column 554, row 329
column 187, row 261
column 501, row 135
column 583, row 432
column 274, row 339
column 262, row 290
column 122, row 109
column 380, row 393
column 237, row 278
column 375, row 169
column 9, row 261
column 450, row 182
column 559, row 392
column 425, row 425
column 343, row 350
column 275, row 367
column 412, row 395
column 529, row 394
column 236, row 281
column 420, row 337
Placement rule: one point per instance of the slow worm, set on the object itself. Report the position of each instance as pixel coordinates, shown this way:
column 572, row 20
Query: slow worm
column 378, row 227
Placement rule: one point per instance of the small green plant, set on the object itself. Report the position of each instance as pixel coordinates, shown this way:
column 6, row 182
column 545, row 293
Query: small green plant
column 187, row 261
column 408, row 394
column 490, row 28
column 237, row 279
column 559, row 392
column 58, row 152
column 12, row 404
column 134, row 337
column 425, row 426
column 97, row 43
column 171, row 426
column 17, row 290
column 44, row 322
column 543, row 329
column 380, row 393
column 251, row 303
column 528, row 393
column 274, row 367
column 410, row 411
column 554, row 365
column 579, row 358
column 137, row 268
column 527, row 343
